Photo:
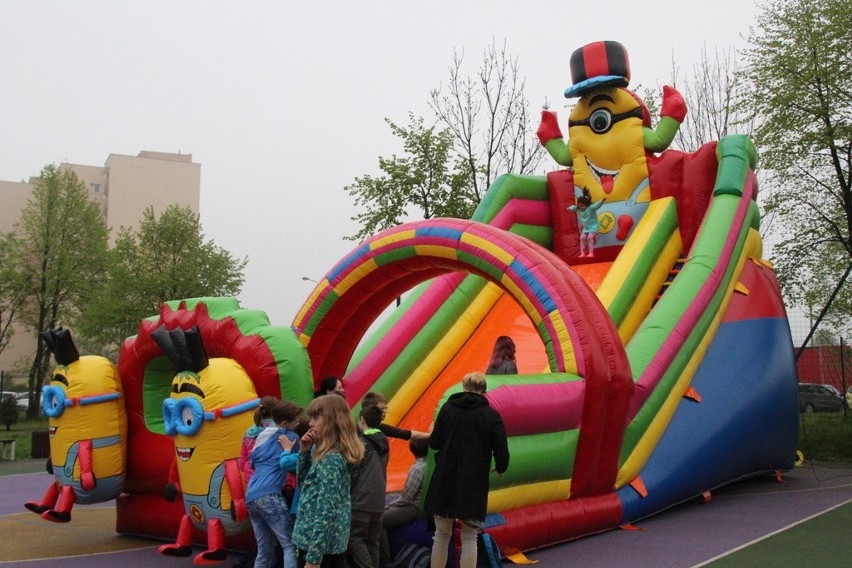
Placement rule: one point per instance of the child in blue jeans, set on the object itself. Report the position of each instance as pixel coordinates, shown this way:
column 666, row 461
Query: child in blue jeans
column 268, row 511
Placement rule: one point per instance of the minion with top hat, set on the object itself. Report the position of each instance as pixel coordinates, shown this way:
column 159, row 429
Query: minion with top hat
column 610, row 137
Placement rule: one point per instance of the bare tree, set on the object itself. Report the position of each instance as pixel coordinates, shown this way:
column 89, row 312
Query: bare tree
column 711, row 92
column 489, row 118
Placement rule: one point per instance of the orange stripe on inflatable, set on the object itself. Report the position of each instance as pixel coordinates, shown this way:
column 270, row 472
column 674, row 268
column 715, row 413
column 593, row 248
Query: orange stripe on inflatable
column 639, row 487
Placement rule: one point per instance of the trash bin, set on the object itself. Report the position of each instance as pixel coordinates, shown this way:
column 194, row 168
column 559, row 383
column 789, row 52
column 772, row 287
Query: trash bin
column 40, row 444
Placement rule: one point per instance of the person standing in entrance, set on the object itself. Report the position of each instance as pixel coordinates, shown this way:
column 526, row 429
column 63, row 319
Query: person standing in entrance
column 502, row 360
column 331, row 385
column 467, row 434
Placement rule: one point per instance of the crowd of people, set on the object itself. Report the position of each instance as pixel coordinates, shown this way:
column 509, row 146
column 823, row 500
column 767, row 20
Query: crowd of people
column 316, row 479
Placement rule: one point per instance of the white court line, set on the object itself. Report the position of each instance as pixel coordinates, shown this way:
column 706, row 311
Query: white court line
column 764, row 537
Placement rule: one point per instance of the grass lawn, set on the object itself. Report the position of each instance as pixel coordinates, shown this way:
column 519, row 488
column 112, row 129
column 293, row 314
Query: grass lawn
column 22, row 433
column 826, row 436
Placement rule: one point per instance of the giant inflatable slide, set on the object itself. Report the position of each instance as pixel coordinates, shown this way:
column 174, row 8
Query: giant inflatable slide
column 650, row 374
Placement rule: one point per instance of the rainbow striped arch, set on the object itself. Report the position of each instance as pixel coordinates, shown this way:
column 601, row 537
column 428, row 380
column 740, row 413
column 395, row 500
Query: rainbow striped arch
column 573, row 325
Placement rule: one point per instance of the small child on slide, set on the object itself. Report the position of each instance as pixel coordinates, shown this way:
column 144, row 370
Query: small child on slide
column 589, row 225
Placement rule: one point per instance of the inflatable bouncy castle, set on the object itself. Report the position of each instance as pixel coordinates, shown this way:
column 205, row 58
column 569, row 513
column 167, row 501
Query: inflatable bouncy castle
column 655, row 363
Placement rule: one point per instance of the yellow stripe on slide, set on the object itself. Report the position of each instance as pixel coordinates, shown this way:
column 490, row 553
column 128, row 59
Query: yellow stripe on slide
column 442, row 353
column 636, row 461
column 529, row 494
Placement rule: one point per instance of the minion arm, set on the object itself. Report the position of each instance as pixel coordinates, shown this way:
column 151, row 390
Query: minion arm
column 550, row 137
column 671, row 116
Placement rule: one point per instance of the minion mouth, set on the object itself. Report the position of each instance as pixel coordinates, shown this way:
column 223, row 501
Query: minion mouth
column 605, row 177
column 184, row 454
column 52, row 431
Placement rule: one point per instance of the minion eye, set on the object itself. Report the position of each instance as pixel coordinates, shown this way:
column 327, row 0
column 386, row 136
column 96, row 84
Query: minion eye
column 53, row 401
column 600, row 121
column 187, row 416
column 182, row 416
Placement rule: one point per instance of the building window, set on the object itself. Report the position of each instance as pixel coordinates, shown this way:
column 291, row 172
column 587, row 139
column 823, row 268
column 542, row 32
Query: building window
column 95, row 187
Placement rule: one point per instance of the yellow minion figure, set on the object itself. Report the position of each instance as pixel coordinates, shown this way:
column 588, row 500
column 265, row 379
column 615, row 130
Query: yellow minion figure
column 88, row 430
column 208, row 411
column 610, row 136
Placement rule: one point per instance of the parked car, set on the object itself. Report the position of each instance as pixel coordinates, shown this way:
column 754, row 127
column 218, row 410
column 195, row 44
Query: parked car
column 23, row 401
column 833, row 389
column 819, row 398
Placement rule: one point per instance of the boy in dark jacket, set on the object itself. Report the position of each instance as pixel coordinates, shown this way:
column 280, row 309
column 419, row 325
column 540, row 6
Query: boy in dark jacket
column 369, row 481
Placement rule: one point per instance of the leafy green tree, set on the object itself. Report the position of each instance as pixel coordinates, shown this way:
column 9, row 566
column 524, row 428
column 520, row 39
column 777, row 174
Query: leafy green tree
column 421, row 181
column 167, row 258
column 12, row 289
column 798, row 69
column 62, row 250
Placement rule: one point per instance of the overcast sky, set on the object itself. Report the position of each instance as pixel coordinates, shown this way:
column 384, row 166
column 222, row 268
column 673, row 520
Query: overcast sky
column 282, row 103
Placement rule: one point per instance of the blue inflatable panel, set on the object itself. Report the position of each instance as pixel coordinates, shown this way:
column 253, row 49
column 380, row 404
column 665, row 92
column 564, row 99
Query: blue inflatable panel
column 745, row 424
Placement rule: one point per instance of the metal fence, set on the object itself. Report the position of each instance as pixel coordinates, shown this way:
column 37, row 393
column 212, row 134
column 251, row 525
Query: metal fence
column 824, row 365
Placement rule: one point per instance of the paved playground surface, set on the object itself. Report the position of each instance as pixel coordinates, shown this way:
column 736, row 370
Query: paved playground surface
column 755, row 522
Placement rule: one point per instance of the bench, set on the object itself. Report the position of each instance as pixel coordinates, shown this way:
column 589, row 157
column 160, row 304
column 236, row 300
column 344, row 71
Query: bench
column 10, row 445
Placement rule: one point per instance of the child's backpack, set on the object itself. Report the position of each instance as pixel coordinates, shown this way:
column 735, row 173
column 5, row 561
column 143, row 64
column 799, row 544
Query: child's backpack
column 289, row 489
column 412, row 556
column 487, row 552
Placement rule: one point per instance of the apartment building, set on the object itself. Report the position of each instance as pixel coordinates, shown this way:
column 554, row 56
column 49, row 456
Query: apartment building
column 123, row 188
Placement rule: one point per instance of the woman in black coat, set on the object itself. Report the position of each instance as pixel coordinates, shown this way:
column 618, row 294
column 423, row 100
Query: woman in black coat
column 467, row 433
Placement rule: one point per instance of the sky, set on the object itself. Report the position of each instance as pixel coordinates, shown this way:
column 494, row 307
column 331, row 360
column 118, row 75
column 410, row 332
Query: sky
column 283, row 103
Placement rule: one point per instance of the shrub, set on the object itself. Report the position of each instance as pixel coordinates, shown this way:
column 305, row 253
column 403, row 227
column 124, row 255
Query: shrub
column 8, row 411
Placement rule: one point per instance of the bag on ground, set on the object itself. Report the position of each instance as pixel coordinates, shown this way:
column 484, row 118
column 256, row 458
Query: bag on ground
column 412, row 556
column 487, row 552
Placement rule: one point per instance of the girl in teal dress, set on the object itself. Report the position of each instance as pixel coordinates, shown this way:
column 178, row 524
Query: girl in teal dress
column 326, row 452
column 587, row 212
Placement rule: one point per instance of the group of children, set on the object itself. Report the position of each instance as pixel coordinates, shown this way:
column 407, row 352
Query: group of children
column 269, row 453
column 316, row 486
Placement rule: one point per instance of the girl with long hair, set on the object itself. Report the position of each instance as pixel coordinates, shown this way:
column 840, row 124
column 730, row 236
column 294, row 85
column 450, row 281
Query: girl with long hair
column 327, row 451
column 503, row 357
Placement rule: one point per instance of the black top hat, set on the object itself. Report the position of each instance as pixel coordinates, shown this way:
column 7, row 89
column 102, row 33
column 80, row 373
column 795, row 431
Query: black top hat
column 598, row 64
